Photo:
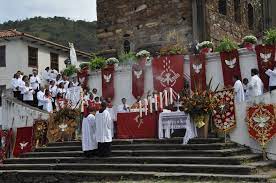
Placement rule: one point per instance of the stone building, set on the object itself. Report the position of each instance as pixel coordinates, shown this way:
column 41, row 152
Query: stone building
column 128, row 25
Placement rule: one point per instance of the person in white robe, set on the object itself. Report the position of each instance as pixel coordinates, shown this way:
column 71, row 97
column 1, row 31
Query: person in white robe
column 103, row 131
column 28, row 92
column 122, row 108
column 246, row 89
column 89, row 141
column 255, row 85
column 272, row 78
column 45, row 76
column 22, row 86
column 35, row 80
column 53, row 75
column 47, row 102
column 238, row 89
column 40, row 98
column 15, row 86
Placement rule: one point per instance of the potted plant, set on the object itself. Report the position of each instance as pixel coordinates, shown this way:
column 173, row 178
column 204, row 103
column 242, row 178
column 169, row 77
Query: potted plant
column 270, row 37
column 226, row 45
column 70, row 70
column 84, row 66
column 249, row 42
column 205, row 46
column 112, row 61
column 127, row 58
column 97, row 63
column 142, row 56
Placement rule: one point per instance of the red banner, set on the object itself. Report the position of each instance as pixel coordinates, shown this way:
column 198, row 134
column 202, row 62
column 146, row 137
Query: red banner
column 138, row 78
column 230, row 66
column 108, row 82
column 168, row 72
column 130, row 126
column 265, row 57
column 224, row 115
column 23, row 142
column 261, row 122
column 83, row 77
column 198, row 72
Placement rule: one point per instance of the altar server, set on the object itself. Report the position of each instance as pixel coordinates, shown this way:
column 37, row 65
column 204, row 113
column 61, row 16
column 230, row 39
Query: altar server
column 103, row 131
column 272, row 78
column 255, row 85
column 238, row 88
column 123, row 107
column 89, row 141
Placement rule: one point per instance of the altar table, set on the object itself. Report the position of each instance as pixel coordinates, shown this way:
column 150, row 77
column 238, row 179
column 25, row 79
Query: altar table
column 130, row 126
column 170, row 121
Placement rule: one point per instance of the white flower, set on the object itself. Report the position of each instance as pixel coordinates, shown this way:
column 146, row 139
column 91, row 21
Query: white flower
column 143, row 53
column 205, row 44
column 251, row 39
column 112, row 60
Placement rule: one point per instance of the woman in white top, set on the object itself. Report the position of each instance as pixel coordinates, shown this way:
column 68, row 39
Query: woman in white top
column 28, row 92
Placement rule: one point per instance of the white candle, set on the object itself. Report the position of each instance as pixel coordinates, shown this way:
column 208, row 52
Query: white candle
column 146, row 107
column 171, row 95
column 161, row 101
column 150, row 105
column 178, row 97
column 140, row 108
column 166, row 97
column 155, row 102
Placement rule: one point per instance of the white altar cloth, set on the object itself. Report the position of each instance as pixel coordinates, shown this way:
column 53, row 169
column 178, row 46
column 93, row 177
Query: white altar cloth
column 169, row 121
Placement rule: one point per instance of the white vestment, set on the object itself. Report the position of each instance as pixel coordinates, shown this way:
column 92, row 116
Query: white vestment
column 239, row 92
column 40, row 98
column 123, row 108
column 89, row 141
column 35, row 81
column 14, row 84
column 255, row 86
column 28, row 94
column 103, row 127
column 47, row 106
column 272, row 76
column 113, row 118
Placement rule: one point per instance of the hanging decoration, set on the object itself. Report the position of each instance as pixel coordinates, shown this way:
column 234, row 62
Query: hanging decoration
column 230, row 66
column 138, row 79
column 108, row 81
column 265, row 58
column 198, row 72
column 224, row 114
column 83, row 76
column 23, row 142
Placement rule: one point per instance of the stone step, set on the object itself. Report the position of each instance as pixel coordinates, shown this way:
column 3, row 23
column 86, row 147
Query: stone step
column 234, row 160
column 214, row 146
column 146, row 141
column 221, row 152
column 183, row 168
column 46, row 176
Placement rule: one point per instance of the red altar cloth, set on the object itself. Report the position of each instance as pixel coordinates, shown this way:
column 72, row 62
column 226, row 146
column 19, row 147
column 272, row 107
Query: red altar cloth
column 129, row 126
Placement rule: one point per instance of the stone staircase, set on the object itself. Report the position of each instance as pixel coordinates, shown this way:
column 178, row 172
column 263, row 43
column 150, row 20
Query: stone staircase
column 145, row 159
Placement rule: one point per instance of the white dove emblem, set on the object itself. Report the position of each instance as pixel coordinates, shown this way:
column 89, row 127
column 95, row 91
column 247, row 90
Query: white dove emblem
column 138, row 74
column 197, row 68
column 107, row 78
column 265, row 57
column 82, row 80
column 63, row 127
column 231, row 63
column 261, row 120
column 23, row 145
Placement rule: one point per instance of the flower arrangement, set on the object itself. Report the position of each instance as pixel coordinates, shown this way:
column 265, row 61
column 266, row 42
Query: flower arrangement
column 270, row 37
column 226, row 45
column 112, row 61
column 143, row 54
column 176, row 49
column 205, row 44
column 127, row 57
column 250, row 39
column 84, row 65
column 97, row 63
column 70, row 70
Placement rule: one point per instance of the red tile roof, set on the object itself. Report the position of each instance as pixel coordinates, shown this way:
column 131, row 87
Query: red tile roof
column 9, row 33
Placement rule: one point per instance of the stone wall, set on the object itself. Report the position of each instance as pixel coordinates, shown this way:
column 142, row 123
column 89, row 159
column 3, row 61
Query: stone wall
column 146, row 24
column 219, row 25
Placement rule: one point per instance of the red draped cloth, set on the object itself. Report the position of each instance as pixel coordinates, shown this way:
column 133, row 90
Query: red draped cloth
column 198, row 72
column 168, row 72
column 130, row 126
column 266, row 60
column 23, row 142
column 230, row 67
column 108, row 82
column 138, row 78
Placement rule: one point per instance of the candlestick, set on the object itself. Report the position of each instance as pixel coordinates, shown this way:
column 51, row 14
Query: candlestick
column 150, row 105
column 146, row 107
column 161, row 101
column 171, row 95
column 166, row 97
column 155, row 102
column 140, row 108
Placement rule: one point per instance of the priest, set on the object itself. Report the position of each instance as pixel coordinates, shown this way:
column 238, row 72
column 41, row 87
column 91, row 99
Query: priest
column 89, row 142
column 238, row 89
column 103, row 131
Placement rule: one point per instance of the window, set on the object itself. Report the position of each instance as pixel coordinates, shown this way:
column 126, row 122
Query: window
column 54, row 61
column 2, row 88
column 222, row 7
column 250, row 15
column 237, row 9
column 33, row 58
column 2, row 56
column 126, row 46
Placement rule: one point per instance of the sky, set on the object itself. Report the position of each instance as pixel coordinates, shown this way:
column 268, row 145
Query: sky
column 22, row 9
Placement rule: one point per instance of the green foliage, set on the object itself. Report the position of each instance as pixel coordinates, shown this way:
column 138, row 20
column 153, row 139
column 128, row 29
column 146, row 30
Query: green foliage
column 173, row 50
column 127, row 57
column 70, row 70
column 97, row 63
column 226, row 45
column 270, row 37
column 84, row 65
column 250, row 39
column 58, row 29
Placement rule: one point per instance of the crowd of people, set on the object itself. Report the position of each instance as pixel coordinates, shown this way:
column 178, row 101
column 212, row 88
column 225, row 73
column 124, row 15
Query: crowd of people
column 245, row 89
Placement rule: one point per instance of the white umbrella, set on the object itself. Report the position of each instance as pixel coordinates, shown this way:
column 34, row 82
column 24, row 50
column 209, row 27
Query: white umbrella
column 73, row 55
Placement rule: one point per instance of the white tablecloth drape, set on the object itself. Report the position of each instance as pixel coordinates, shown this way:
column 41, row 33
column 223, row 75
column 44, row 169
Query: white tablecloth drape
column 169, row 121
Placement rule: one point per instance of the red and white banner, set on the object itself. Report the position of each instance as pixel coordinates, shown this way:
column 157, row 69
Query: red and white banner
column 138, row 79
column 108, row 82
column 230, row 67
column 168, row 72
column 83, row 77
column 23, row 142
column 198, row 72
column 266, row 60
